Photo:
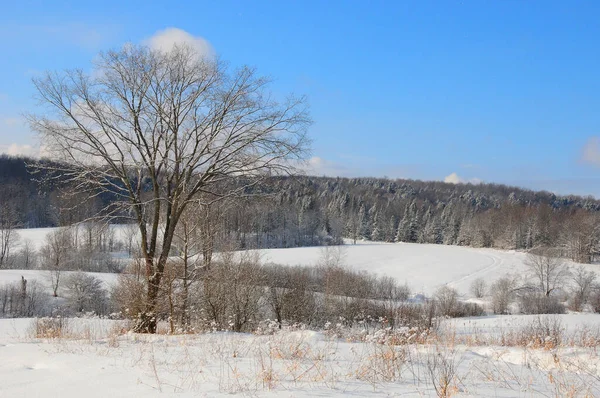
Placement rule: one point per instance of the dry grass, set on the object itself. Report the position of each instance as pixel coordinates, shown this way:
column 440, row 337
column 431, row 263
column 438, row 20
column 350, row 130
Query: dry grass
column 50, row 328
column 379, row 358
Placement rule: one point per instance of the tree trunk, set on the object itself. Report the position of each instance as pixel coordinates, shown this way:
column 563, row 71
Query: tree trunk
column 147, row 321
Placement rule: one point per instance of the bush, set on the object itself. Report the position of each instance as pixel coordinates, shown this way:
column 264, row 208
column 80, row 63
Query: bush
column 535, row 303
column 544, row 331
column 447, row 300
column 128, row 295
column 85, row 293
column 448, row 304
column 467, row 309
column 478, row 288
column 502, row 294
column 50, row 328
column 583, row 285
column 232, row 290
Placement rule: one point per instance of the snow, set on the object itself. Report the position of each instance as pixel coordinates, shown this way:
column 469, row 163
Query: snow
column 291, row 363
column 96, row 358
column 492, row 324
column 37, row 236
column 43, row 277
column 424, row 267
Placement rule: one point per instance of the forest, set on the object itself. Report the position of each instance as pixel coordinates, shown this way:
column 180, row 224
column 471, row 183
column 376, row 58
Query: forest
column 299, row 210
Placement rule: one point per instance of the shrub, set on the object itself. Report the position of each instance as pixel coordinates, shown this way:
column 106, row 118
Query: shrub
column 544, row 331
column 583, row 284
column 447, row 300
column 535, row 303
column 467, row 309
column 85, row 293
column 502, row 294
column 128, row 295
column 478, row 287
column 50, row 328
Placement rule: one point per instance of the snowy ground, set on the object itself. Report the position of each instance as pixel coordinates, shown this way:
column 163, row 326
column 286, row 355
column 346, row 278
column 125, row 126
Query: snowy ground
column 36, row 236
column 96, row 360
column 486, row 356
column 43, row 277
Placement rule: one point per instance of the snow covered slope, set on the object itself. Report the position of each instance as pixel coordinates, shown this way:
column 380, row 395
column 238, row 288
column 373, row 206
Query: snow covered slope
column 424, row 267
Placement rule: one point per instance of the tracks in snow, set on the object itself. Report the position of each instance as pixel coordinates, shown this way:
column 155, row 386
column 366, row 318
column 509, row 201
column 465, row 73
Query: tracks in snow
column 496, row 262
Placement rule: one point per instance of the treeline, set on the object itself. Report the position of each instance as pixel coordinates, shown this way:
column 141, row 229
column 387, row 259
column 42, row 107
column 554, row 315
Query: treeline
column 300, row 211
column 30, row 199
column 486, row 215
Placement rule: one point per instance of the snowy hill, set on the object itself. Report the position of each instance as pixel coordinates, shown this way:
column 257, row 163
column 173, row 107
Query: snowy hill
column 424, row 267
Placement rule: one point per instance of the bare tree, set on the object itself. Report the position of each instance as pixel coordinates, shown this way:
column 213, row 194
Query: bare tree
column 549, row 271
column 446, row 298
column 478, row 287
column 232, row 290
column 580, row 237
column 503, row 292
column 583, row 286
column 195, row 237
column 159, row 128
column 86, row 293
column 26, row 256
column 8, row 235
column 131, row 239
column 57, row 255
column 210, row 216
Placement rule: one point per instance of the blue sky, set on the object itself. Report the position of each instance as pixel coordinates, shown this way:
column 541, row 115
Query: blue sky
column 505, row 91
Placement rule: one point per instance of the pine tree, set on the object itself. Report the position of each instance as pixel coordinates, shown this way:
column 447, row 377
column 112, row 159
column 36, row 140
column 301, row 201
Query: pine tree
column 414, row 225
column 378, row 233
column 392, row 229
column 402, row 231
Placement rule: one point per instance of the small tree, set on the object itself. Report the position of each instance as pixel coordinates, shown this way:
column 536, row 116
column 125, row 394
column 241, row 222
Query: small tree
column 26, row 257
column 85, row 293
column 233, row 287
column 502, row 292
column 478, row 287
column 583, row 285
column 57, row 255
column 549, row 271
column 8, row 235
column 446, row 298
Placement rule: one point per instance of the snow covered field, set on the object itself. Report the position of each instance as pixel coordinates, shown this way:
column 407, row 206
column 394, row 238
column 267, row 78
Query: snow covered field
column 95, row 360
column 504, row 356
column 423, row 267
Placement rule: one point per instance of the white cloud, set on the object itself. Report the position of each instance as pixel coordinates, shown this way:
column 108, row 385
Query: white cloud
column 591, row 151
column 453, row 179
column 164, row 40
column 456, row 179
column 322, row 167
